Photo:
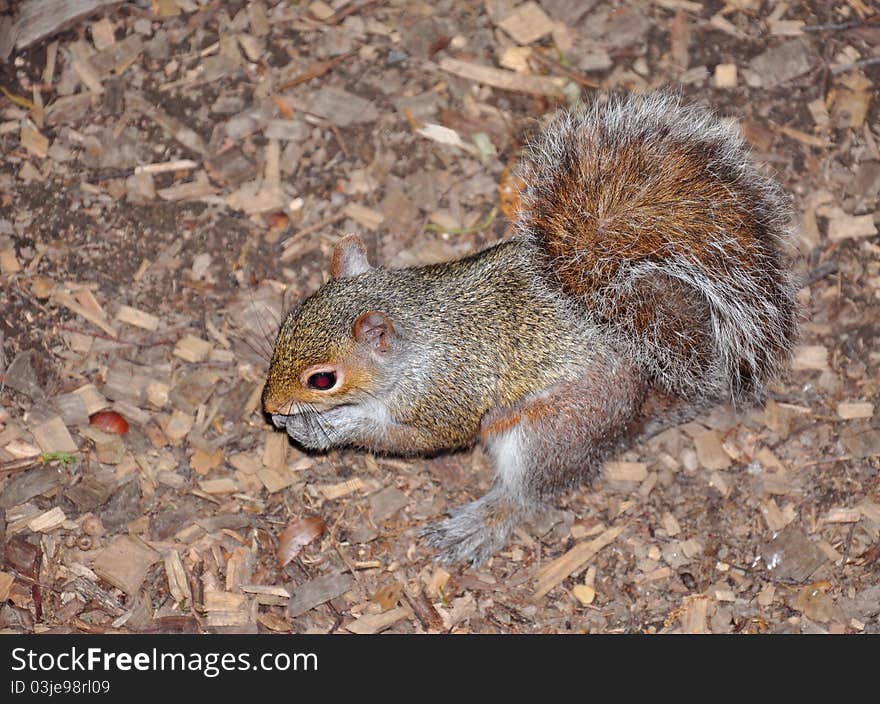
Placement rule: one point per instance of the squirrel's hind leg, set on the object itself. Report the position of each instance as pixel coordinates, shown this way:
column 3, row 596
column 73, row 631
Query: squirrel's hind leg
column 543, row 444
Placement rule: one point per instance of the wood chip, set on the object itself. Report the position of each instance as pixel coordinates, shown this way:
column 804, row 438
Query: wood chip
column 276, row 479
column 843, row 227
column 226, row 608
column 68, row 301
column 332, row 492
column 527, row 23
column 307, row 596
column 506, row 80
column 816, row 604
column 124, row 563
column 786, row 28
column 6, row 582
column 791, row 556
column 710, row 451
column 870, row 510
column 783, row 63
column 849, row 108
column 25, row 486
column 192, row 349
column 853, row 410
column 842, row 515
column 679, row 41
column 225, row 485
column 203, row 461
column 38, row 19
column 245, row 462
column 671, row 525
column 178, row 584
column 239, row 568
column 138, row 318
column 47, row 521
column 773, row 516
column 176, row 129
column 862, row 445
column 197, row 189
column 573, row 561
column 53, row 436
column 626, row 471
column 176, row 426
column 516, row 58
column 725, row 76
column 88, row 75
column 268, row 594
column 34, row 142
column 275, row 450
column 688, row 5
column 167, row 167
column 693, row 616
column 321, row 10
column 376, row 623
column 423, row 608
column 803, row 137
column 584, row 593
column 103, row 33
column 811, row 357
column 342, row 108
column 369, row 218
column 9, row 262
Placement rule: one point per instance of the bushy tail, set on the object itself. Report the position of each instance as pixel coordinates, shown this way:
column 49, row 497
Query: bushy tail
column 652, row 215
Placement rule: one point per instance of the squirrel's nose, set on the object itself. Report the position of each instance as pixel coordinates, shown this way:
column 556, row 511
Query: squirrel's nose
column 271, row 403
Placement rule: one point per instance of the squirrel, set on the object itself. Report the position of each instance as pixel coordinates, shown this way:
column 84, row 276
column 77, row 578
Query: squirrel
column 646, row 281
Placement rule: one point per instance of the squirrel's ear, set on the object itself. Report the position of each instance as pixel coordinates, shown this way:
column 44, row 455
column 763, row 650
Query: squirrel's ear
column 374, row 329
column 349, row 258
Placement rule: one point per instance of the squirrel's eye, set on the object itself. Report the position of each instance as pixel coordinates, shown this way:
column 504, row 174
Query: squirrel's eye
column 322, row 381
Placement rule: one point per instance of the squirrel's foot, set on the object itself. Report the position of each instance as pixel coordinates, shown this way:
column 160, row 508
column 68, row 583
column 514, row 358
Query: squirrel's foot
column 475, row 531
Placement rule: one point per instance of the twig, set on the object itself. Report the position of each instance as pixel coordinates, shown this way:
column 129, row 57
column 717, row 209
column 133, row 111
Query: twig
column 24, row 463
column 820, row 272
column 339, row 140
column 847, row 545
column 827, row 460
column 332, row 220
column 840, row 26
column 856, row 64
column 316, row 70
column 557, row 67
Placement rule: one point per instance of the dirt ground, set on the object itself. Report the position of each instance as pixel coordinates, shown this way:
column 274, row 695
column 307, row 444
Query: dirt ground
column 174, row 174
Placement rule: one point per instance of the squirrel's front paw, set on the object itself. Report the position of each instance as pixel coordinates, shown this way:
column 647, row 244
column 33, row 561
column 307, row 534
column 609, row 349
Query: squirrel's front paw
column 475, row 531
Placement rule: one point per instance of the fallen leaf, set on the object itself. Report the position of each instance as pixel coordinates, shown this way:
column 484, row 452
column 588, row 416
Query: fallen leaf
column 296, row 536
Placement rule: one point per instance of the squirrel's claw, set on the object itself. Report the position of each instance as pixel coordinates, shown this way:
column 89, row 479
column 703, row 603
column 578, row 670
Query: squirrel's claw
column 474, row 532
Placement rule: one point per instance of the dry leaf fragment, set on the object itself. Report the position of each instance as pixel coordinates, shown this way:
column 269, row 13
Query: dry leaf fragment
column 388, row 595
column 296, row 536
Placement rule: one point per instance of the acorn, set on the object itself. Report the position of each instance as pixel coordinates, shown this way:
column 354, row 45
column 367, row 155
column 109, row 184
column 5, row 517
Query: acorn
column 109, row 422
